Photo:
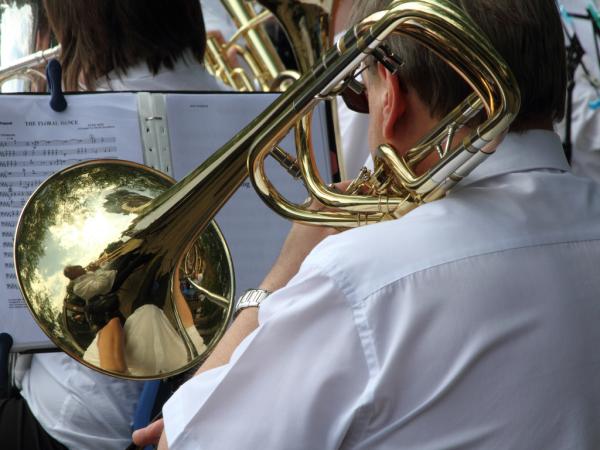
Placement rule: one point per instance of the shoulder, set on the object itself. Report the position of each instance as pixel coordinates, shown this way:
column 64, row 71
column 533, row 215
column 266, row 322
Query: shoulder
column 483, row 218
column 355, row 258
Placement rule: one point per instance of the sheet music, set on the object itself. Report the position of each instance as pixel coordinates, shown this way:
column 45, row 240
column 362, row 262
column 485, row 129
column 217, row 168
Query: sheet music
column 35, row 142
column 254, row 233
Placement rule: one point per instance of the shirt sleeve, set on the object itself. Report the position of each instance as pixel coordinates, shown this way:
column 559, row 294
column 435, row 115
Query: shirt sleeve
column 295, row 383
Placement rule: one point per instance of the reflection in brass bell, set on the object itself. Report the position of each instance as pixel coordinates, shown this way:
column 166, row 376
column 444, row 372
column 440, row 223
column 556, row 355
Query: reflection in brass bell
column 110, row 298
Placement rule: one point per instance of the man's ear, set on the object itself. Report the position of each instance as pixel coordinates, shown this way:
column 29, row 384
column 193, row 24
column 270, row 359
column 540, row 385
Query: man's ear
column 394, row 102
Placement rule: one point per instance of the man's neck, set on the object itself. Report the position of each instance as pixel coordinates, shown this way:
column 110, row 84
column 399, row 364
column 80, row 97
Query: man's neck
column 534, row 124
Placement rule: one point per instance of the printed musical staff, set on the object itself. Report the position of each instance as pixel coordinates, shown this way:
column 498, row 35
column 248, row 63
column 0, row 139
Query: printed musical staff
column 23, row 184
column 39, row 174
column 58, row 152
column 24, row 164
column 7, row 214
column 35, row 143
column 91, row 140
column 35, row 163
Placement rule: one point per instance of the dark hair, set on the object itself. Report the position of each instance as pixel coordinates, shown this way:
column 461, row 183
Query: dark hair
column 527, row 34
column 100, row 36
column 72, row 272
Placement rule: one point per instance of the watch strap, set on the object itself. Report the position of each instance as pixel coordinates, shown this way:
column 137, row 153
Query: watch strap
column 252, row 298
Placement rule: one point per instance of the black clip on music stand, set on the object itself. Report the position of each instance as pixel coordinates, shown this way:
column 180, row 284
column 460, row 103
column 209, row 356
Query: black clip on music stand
column 58, row 102
column 6, row 342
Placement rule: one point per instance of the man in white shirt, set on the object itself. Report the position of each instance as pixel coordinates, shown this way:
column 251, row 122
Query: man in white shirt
column 470, row 323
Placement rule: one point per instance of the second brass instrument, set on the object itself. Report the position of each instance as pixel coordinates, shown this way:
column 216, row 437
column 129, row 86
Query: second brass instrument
column 25, row 37
column 151, row 240
column 266, row 72
column 307, row 25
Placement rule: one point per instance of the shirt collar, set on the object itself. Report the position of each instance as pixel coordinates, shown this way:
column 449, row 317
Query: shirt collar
column 140, row 71
column 518, row 152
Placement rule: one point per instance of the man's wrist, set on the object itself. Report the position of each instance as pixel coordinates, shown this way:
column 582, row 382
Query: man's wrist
column 252, row 298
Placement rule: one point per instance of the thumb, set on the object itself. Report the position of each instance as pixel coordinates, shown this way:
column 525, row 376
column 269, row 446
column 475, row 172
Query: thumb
column 149, row 435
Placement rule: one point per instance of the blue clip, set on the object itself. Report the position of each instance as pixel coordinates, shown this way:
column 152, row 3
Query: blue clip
column 54, row 78
column 594, row 104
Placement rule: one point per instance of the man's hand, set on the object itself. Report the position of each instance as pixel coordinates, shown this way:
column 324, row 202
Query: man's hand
column 149, row 435
column 232, row 55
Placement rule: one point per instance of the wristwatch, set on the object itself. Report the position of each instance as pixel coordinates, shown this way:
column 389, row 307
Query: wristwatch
column 250, row 298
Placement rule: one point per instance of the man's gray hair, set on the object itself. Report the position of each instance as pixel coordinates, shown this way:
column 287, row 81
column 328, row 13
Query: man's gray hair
column 527, row 34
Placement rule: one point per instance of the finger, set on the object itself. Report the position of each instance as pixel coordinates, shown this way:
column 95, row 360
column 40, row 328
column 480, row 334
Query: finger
column 149, row 435
column 342, row 185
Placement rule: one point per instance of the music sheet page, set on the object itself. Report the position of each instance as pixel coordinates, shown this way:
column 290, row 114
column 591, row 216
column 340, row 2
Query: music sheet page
column 36, row 142
column 201, row 125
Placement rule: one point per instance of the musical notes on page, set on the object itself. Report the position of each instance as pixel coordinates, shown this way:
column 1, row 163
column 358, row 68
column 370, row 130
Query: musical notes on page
column 36, row 142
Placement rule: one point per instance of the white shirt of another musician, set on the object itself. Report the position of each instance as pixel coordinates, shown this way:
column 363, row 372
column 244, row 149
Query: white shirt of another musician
column 354, row 130
column 470, row 323
column 187, row 74
column 152, row 345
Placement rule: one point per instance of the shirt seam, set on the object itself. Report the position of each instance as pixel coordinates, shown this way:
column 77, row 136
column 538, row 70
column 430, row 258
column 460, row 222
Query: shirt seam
column 365, row 332
column 365, row 402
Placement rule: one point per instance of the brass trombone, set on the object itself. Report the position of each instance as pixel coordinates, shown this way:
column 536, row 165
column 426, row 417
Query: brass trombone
column 149, row 247
column 25, row 32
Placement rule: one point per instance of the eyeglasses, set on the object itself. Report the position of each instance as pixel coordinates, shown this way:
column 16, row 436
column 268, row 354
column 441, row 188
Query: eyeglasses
column 355, row 93
column 355, row 96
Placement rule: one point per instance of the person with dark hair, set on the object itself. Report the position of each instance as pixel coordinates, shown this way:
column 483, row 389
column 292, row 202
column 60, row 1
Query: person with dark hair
column 130, row 44
column 149, row 45
column 469, row 323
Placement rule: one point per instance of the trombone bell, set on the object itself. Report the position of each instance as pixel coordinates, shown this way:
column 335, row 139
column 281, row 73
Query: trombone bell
column 90, row 286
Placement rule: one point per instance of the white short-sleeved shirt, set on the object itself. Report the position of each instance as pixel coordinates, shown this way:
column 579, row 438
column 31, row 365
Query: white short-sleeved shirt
column 470, row 323
column 187, row 74
column 80, row 408
column 354, row 132
column 152, row 345
column 354, row 129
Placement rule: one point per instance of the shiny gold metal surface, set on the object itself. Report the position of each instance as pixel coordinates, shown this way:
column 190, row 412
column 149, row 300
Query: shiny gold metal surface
column 266, row 70
column 308, row 25
column 157, row 233
column 394, row 188
column 82, row 217
column 25, row 38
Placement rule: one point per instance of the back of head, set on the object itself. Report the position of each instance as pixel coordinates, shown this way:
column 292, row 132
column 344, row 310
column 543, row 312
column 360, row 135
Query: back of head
column 527, row 34
column 73, row 272
column 100, row 36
